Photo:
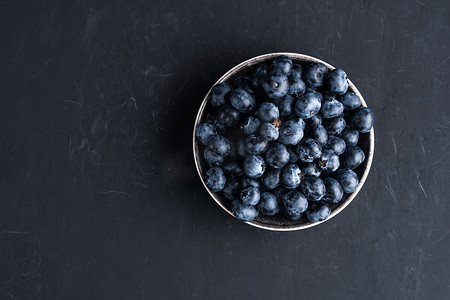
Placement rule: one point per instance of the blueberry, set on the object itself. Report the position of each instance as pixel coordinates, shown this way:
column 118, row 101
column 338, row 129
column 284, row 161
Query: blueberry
column 285, row 104
column 315, row 120
column 277, row 155
column 337, row 81
column 256, row 144
column 294, row 204
column 308, row 105
column 242, row 101
column 350, row 136
column 215, row 179
column 352, row 157
column 319, row 133
column 271, row 178
column 219, row 144
column 329, row 161
column 361, row 119
column 246, row 213
column 268, row 204
column 247, row 181
column 348, row 180
column 242, row 148
column 212, row 158
column 336, row 144
column 279, row 193
column 259, row 76
column 220, row 128
column 313, row 188
column 269, row 132
column 233, row 167
column 250, row 195
column 331, row 109
column 318, row 212
column 350, row 101
column 291, row 132
column 251, row 125
column 204, row 131
column 232, row 188
column 275, row 85
column 282, row 63
column 310, row 168
column 293, row 157
column 229, row 116
column 334, row 125
column 333, row 190
column 296, row 87
column 218, row 94
column 315, row 74
column 308, row 150
column 296, row 72
column 254, row 166
column 291, row 176
column 268, row 112
column 244, row 82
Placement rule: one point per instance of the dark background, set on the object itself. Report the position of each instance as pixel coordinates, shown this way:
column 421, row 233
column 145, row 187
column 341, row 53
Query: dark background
column 100, row 198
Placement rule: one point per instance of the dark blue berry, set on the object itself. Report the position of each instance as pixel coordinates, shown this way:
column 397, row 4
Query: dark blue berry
column 331, row 109
column 251, row 125
column 246, row 213
column 247, row 181
column 334, row 125
column 308, row 105
column 219, row 144
column 291, row 132
column 229, row 116
column 259, row 76
column 362, row 119
column 232, row 188
column 277, row 155
column 282, row 63
column 269, row 132
column 314, row 120
column 296, row 87
column 296, row 72
column 219, row 93
column 350, row 136
column 329, row 161
column 293, row 157
column 242, row 101
column 285, row 104
column 313, row 188
column 318, row 212
column 256, row 144
column 244, row 82
column 336, row 144
column 212, row 158
column 319, row 133
column 333, row 190
column 352, row 157
column 250, row 195
column 268, row 112
column 275, row 85
column 233, row 167
column 215, row 179
column 308, row 150
column 350, row 101
column 294, row 204
column 337, row 81
column 254, row 166
column 268, row 204
column 291, row 176
column 315, row 74
column 348, row 180
column 311, row 169
column 242, row 148
column 204, row 131
column 271, row 178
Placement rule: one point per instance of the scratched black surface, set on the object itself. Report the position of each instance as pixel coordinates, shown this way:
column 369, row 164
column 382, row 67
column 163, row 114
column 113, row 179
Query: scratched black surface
column 99, row 195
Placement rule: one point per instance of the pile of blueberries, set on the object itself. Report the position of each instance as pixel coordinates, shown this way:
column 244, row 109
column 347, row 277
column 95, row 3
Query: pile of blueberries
column 284, row 138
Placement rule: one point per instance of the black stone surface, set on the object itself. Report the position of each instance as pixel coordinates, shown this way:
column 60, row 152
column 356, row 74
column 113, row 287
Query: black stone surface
column 99, row 197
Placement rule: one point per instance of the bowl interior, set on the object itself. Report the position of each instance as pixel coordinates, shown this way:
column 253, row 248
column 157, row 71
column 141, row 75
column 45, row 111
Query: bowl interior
column 279, row 222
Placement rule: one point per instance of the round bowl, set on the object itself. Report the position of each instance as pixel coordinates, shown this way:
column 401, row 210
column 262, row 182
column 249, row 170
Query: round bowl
column 279, row 222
